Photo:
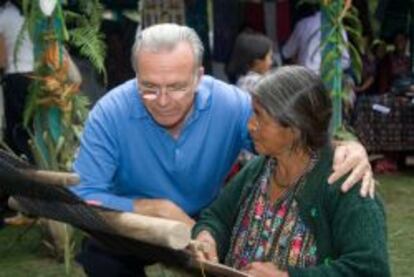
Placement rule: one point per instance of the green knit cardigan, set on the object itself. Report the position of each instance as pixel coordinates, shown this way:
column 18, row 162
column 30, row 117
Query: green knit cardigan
column 350, row 231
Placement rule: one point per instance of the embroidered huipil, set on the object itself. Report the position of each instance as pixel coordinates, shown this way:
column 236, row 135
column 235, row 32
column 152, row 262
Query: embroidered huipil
column 266, row 231
column 348, row 231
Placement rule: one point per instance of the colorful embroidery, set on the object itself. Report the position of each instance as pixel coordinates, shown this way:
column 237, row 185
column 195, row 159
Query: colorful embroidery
column 266, row 231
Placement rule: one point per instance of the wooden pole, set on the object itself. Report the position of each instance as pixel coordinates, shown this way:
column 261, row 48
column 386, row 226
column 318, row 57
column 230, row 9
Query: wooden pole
column 51, row 177
column 157, row 231
column 217, row 269
column 153, row 230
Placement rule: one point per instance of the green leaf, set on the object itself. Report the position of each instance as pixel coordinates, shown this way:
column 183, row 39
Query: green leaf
column 71, row 17
column 60, row 144
column 329, row 59
column 344, row 134
column 353, row 34
column 90, row 42
column 31, row 103
column 356, row 61
column 353, row 21
column 39, row 141
column 54, row 116
column 328, row 76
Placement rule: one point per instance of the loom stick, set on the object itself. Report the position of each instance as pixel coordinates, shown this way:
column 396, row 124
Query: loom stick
column 51, row 177
column 217, row 269
column 9, row 161
column 154, row 230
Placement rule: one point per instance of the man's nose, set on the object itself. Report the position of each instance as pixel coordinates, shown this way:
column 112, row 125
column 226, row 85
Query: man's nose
column 162, row 98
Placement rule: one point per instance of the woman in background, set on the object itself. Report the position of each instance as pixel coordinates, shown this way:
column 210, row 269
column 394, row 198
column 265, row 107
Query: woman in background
column 250, row 59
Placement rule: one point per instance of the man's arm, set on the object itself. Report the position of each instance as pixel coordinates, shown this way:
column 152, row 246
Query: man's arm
column 162, row 208
column 97, row 162
column 351, row 156
column 291, row 47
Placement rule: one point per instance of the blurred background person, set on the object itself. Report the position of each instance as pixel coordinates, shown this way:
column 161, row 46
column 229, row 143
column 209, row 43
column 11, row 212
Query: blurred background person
column 17, row 69
column 303, row 45
column 15, row 84
column 250, row 59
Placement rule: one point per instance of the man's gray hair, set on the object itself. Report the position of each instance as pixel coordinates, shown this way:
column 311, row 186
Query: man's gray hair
column 165, row 37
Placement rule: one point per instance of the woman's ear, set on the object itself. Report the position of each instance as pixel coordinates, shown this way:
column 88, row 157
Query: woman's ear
column 257, row 65
column 295, row 138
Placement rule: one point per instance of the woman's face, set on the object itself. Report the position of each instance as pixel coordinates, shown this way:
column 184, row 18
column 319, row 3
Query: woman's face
column 263, row 66
column 269, row 137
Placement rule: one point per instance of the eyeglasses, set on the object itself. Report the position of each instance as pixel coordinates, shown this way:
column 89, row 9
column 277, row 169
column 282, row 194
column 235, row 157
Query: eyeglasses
column 174, row 91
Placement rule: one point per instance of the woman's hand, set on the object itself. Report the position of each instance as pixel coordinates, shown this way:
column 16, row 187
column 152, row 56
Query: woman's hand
column 209, row 251
column 351, row 155
column 260, row 269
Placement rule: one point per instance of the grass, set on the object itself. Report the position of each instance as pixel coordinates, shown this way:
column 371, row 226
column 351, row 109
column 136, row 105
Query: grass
column 398, row 193
column 28, row 257
column 22, row 254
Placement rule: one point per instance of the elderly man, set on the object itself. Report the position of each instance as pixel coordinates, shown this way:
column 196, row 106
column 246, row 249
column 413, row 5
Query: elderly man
column 162, row 144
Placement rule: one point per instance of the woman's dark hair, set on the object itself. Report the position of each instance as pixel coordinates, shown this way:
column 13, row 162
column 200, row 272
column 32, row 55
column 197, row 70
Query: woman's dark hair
column 247, row 48
column 296, row 97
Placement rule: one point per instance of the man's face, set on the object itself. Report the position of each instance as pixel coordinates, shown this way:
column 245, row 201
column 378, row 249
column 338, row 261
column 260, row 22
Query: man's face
column 167, row 81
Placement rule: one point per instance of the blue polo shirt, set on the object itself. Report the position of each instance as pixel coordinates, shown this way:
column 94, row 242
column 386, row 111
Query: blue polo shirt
column 125, row 155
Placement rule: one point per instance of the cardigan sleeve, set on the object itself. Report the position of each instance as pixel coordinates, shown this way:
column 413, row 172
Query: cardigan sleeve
column 358, row 237
column 219, row 218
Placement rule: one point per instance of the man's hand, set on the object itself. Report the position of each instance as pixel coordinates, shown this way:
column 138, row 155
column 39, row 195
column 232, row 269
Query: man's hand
column 162, row 208
column 260, row 269
column 351, row 155
column 209, row 252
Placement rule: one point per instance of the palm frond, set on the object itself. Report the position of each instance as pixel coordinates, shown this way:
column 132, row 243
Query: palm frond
column 90, row 42
column 71, row 17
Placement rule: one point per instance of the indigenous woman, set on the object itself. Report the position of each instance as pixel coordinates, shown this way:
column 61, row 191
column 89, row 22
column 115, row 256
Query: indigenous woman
column 279, row 217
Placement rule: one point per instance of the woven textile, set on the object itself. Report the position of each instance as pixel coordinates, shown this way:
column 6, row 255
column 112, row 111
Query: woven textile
column 59, row 203
column 272, row 231
column 382, row 129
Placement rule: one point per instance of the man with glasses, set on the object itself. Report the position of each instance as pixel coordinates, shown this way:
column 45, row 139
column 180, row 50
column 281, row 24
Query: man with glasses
column 162, row 144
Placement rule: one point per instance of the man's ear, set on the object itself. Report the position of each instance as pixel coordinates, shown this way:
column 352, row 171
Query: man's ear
column 200, row 73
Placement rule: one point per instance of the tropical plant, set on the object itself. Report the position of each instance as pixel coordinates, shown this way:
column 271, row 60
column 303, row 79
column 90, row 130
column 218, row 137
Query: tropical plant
column 55, row 110
column 333, row 43
column 338, row 17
